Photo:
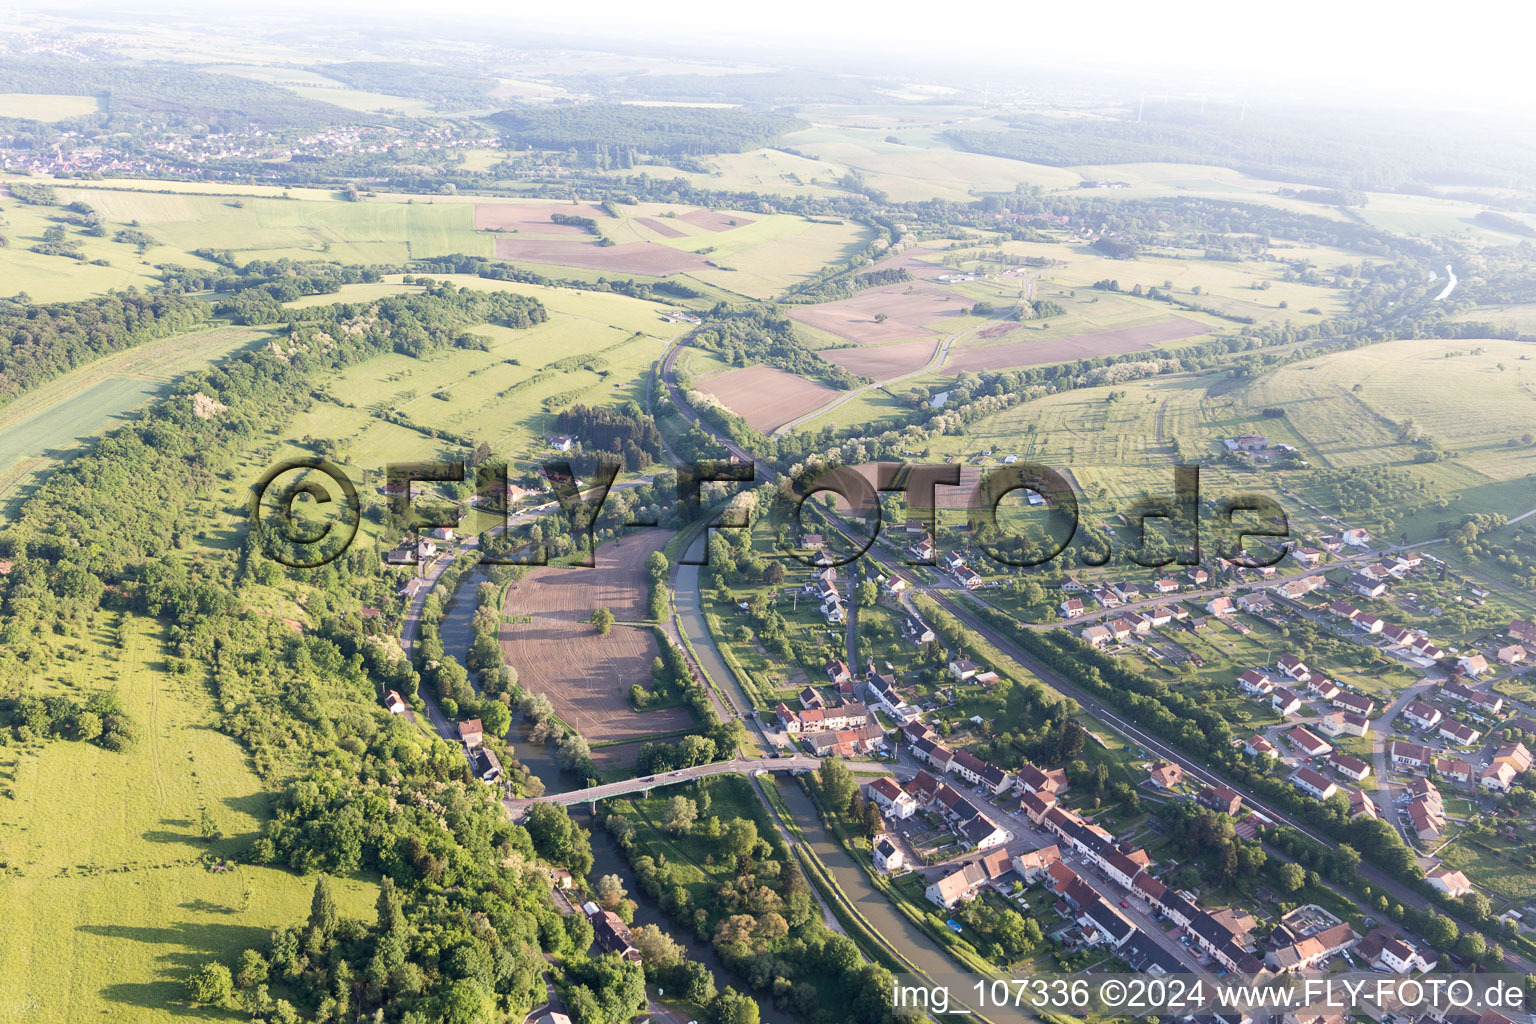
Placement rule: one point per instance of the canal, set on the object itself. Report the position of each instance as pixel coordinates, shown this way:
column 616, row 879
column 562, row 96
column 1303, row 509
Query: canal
column 916, row 945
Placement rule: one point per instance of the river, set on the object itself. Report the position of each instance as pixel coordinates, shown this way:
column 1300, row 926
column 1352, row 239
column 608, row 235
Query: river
column 1450, row 285
column 607, row 858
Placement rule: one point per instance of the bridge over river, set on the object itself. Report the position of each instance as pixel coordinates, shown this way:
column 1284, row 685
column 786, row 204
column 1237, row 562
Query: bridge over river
column 738, row 766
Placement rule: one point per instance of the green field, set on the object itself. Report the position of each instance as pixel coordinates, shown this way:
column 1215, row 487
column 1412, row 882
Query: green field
column 506, row 396
column 90, row 399
column 45, row 106
column 108, row 894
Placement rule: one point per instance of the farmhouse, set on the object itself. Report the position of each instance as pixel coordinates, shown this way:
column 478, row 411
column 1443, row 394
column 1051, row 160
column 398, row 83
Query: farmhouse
column 1071, row 608
column 848, row 715
column 968, row 766
column 1514, row 654
column 1033, row 780
column 888, row 856
column 471, row 733
column 1522, row 631
column 861, row 739
column 395, row 703
column 1097, row 636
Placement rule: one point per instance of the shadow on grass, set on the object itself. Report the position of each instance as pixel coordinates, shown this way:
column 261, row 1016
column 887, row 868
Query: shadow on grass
column 195, row 943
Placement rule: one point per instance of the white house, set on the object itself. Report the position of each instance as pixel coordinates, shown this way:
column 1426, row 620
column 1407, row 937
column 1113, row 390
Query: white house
column 893, row 800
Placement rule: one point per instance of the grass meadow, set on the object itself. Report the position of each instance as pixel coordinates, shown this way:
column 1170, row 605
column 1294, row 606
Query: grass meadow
column 46, row 106
column 104, row 873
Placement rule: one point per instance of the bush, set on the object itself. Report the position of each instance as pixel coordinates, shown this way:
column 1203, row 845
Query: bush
column 211, row 984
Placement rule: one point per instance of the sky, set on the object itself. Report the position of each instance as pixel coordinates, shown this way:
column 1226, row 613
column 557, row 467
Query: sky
column 1449, row 54
column 1470, row 54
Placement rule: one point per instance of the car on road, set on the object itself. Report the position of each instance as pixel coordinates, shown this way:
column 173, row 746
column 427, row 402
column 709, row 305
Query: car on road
column 676, row 774
column 1126, row 905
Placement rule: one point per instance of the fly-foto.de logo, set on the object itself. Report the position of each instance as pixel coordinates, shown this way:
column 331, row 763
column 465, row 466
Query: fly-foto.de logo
column 301, row 523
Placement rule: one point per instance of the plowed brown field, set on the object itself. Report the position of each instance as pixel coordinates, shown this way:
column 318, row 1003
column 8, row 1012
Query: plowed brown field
column 587, row 677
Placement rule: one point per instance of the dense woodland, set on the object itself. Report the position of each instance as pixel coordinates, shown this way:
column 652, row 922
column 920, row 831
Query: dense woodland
column 1333, row 150
column 38, row 343
column 153, row 96
column 619, row 129
column 447, row 88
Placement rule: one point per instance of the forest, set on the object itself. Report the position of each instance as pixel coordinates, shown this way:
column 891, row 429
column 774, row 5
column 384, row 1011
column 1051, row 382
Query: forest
column 668, row 131
column 38, row 343
column 1377, row 152
column 447, row 88
column 158, row 95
